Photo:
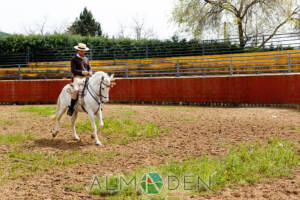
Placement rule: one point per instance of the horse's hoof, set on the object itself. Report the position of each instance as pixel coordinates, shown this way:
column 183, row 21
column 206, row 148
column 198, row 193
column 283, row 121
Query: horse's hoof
column 54, row 134
column 77, row 139
column 98, row 143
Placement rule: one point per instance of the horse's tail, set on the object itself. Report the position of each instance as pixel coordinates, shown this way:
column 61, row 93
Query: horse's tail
column 53, row 117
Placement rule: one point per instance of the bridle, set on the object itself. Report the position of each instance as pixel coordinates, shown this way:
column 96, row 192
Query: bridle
column 100, row 90
column 94, row 94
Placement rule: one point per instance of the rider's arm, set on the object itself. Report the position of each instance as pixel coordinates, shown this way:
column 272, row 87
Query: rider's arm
column 89, row 68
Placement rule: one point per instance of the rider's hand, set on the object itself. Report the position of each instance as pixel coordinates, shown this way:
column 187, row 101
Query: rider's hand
column 85, row 73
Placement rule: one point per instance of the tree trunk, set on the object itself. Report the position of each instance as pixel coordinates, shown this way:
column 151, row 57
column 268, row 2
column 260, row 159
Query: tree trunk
column 241, row 33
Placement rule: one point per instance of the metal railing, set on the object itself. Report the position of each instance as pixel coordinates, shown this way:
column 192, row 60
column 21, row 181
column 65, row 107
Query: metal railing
column 283, row 62
column 159, row 50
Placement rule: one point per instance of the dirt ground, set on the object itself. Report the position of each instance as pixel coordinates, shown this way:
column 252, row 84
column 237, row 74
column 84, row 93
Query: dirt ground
column 193, row 131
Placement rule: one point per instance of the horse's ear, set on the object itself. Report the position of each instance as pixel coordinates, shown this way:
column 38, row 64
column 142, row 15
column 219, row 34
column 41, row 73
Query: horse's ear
column 112, row 76
column 102, row 78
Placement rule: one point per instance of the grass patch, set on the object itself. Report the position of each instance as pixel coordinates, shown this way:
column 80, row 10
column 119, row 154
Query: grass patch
column 130, row 113
column 16, row 138
column 6, row 122
column 74, row 187
column 122, row 131
column 39, row 110
column 245, row 164
column 187, row 119
column 295, row 128
column 20, row 163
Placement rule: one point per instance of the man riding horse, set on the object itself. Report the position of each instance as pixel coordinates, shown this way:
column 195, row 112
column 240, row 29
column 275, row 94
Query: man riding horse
column 81, row 69
column 97, row 88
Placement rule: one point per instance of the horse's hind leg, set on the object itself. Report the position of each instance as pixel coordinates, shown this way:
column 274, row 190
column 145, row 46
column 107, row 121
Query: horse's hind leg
column 59, row 114
column 74, row 117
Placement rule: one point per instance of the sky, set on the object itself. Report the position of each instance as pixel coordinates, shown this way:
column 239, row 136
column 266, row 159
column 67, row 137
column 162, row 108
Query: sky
column 24, row 16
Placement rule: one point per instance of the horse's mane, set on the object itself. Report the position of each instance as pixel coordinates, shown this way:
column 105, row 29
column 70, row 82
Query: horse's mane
column 99, row 74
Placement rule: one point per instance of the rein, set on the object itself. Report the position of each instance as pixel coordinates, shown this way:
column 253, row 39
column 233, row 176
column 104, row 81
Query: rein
column 94, row 94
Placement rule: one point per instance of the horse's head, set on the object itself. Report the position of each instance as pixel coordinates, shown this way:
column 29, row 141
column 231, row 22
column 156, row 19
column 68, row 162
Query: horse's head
column 104, row 83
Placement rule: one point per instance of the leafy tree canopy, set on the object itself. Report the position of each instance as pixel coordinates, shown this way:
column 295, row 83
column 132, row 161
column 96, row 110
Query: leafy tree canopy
column 242, row 17
column 85, row 25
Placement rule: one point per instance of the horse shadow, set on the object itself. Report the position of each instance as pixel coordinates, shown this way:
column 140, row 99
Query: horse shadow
column 59, row 144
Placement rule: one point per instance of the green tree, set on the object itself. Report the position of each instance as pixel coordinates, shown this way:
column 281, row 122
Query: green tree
column 247, row 17
column 85, row 25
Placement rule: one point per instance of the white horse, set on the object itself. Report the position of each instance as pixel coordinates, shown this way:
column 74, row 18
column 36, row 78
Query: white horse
column 97, row 94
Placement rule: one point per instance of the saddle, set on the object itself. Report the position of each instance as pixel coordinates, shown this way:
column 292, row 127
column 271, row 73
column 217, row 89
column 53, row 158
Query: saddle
column 81, row 92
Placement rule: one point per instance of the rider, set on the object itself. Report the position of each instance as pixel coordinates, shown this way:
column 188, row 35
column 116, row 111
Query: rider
column 80, row 68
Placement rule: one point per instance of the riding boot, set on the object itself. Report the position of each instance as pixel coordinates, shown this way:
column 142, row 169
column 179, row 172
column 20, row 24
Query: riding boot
column 71, row 107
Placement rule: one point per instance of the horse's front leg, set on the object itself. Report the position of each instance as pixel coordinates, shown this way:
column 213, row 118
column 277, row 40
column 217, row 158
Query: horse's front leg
column 100, row 120
column 74, row 117
column 92, row 119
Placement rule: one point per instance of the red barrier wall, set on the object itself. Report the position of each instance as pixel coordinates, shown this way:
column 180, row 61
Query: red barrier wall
column 266, row 89
column 31, row 91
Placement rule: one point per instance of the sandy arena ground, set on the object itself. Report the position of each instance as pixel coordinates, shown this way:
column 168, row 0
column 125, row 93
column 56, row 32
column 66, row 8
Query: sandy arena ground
column 193, row 131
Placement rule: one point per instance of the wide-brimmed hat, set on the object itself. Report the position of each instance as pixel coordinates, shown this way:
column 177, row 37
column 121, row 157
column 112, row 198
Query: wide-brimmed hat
column 81, row 47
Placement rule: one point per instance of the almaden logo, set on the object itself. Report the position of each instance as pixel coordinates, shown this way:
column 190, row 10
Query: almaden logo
column 152, row 183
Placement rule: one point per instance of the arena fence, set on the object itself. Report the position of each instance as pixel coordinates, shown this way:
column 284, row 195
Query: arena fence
column 231, row 64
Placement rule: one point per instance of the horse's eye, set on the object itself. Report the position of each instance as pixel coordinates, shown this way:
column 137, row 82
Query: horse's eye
column 102, row 88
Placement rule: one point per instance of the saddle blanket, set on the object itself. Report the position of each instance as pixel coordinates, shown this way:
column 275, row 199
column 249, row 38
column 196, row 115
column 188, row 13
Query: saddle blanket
column 81, row 91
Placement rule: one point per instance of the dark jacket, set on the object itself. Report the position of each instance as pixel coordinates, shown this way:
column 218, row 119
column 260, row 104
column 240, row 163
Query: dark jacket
column 79, row 64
